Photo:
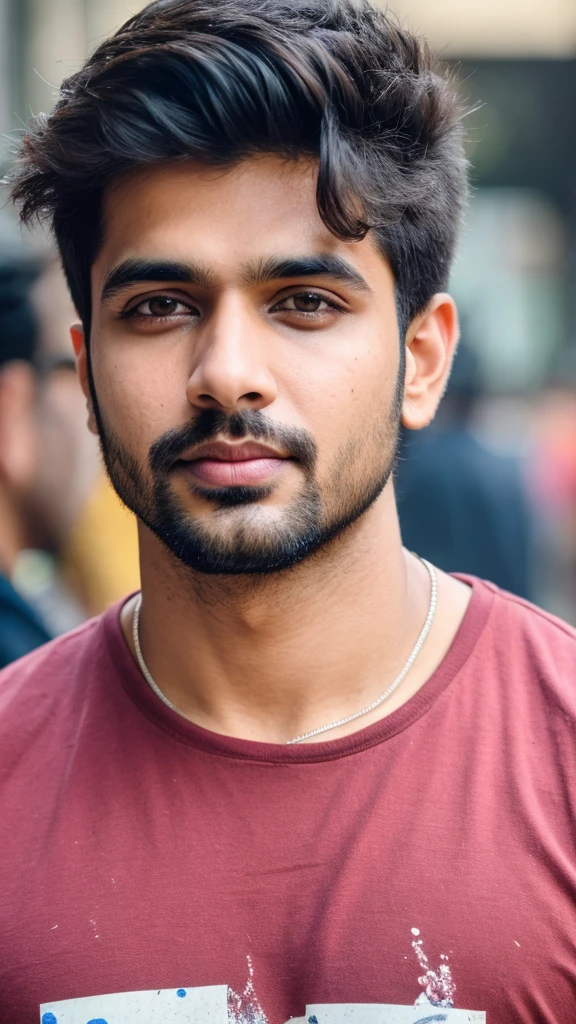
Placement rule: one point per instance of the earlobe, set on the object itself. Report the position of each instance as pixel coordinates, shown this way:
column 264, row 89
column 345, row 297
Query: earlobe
column 80, row 351
column 430, row 346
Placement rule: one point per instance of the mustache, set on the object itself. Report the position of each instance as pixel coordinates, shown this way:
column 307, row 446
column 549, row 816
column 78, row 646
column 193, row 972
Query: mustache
column 248, row 423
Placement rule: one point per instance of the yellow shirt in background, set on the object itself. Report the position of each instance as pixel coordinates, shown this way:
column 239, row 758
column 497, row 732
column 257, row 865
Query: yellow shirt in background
column 101, row 561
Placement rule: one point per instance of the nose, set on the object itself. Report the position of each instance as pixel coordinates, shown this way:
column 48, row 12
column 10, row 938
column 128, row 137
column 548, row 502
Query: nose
column 231, row 368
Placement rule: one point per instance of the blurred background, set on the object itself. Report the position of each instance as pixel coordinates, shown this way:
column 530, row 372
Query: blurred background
column 491, row 487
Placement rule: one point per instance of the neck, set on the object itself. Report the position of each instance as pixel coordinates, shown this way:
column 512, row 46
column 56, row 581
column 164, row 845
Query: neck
column 270, row 657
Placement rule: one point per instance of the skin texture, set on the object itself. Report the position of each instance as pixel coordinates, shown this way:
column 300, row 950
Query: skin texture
column 267, row 656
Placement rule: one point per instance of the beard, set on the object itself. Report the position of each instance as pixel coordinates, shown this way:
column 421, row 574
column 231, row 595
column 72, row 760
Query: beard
column 242, row 535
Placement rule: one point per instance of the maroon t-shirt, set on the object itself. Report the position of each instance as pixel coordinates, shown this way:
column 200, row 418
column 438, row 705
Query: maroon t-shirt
column 434, row 850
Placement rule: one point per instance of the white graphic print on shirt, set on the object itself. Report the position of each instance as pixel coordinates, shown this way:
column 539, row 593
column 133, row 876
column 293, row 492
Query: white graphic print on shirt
column 220, row 1004
column 209, row 1006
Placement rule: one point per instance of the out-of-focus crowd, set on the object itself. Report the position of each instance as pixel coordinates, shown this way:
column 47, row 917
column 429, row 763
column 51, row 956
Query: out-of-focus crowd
column 68, row 548
column 490, row 487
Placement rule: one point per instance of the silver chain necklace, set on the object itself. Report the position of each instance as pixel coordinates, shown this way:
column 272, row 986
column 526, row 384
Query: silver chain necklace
column 323, row 728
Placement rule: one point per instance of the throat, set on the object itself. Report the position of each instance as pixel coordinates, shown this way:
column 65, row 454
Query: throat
column 307, row 673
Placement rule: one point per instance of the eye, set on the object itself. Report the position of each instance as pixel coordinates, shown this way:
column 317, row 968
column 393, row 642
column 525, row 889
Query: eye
column 305, row 302
column 160, row 306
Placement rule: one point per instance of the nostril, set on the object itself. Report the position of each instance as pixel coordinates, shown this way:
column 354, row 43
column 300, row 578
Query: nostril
column 252, row 396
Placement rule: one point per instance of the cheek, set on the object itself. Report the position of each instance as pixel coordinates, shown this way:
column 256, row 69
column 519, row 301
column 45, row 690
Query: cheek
column 342, row 394
column 141, row 393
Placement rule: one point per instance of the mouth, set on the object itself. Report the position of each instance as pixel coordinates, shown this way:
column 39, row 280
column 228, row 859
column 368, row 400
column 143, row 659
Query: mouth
column 220, row 464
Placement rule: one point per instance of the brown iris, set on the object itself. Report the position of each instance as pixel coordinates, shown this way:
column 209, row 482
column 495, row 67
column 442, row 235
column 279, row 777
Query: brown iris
column 307, row 302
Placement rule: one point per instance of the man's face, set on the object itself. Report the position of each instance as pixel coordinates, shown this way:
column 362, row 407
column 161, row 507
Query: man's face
column 245, row 363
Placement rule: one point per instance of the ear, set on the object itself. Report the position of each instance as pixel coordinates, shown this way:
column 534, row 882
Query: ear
column 430, row 346
column 79, row 343
column 18, row 438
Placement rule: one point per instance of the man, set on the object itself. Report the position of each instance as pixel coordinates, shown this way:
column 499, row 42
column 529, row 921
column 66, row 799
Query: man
column 303, row 774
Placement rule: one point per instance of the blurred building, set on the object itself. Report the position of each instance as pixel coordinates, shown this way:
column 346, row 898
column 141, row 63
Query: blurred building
column 517, row 65
column 516, row 28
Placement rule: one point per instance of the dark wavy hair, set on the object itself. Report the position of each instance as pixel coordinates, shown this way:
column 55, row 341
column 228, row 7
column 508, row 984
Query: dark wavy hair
column 220, row 80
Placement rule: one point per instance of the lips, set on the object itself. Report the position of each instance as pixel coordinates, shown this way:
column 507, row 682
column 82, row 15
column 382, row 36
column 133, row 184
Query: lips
column 220, row 464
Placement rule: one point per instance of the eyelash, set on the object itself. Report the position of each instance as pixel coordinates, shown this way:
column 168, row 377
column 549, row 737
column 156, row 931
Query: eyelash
column 133, row 313
column 296, row 295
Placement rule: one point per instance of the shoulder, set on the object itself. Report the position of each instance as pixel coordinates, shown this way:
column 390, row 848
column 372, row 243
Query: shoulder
column 530, row 623
column 527, row 648
column 58, row 703
column 35, row 685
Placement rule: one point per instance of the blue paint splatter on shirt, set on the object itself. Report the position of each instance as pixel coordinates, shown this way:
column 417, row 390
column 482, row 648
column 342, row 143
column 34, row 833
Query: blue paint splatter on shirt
column 428, row 1020
column 49, row 1018
column 181, row 993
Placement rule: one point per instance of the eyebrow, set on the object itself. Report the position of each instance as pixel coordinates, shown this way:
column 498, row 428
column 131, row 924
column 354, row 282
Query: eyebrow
column 136, row 271
column 320, row 265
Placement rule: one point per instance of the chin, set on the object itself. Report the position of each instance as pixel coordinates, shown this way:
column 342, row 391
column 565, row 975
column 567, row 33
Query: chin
column 237, row 553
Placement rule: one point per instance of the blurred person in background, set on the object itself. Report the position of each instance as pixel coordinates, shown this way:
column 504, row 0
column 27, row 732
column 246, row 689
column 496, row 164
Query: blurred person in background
column 97, row 539
column 22, row 523
column 461, row 505
column 552, row 481
column 54, row 496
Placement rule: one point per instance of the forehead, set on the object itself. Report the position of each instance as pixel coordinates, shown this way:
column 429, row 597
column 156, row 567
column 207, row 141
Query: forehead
column 222, row 218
